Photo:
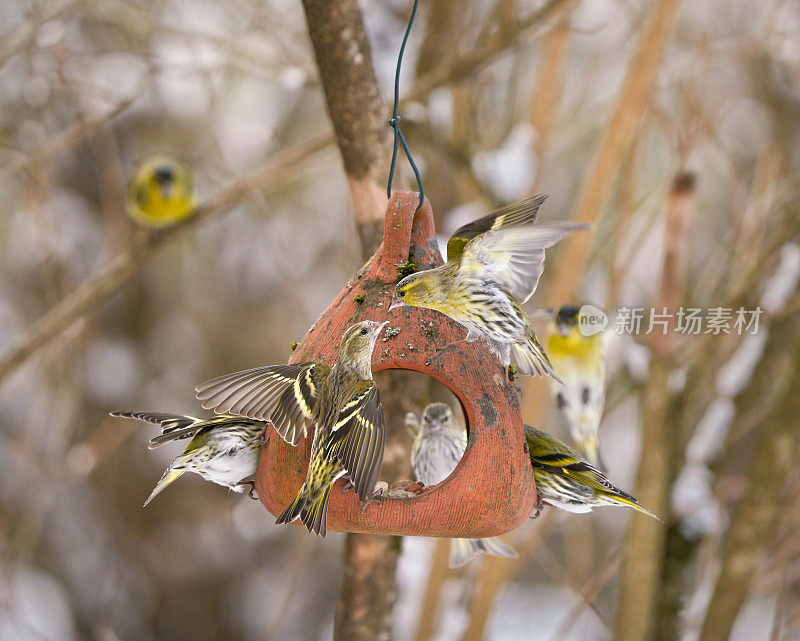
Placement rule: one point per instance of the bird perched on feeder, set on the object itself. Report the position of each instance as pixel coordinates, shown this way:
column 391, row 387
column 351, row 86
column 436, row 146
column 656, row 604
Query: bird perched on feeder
column 224, row 449
column 566, row 481
column 439, row 444
column 342, row 402
column 493, row 265
column 579, row 360
column 161, row 193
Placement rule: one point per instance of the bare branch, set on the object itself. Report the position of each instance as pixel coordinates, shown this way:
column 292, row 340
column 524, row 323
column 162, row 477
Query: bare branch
column 773, row 387
column 502, row 41
column 356, row 109
column 644, row 545
column 619, row 135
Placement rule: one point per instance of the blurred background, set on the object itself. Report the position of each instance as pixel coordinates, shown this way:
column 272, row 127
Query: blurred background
column 629, row 114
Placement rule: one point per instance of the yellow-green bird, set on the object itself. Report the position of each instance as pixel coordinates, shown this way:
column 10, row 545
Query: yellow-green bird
column 342, row 403
column 439, row 444
column 493, row 265
column 580, row 363
column 568, row 482
column 161, row 193
column 224, row 449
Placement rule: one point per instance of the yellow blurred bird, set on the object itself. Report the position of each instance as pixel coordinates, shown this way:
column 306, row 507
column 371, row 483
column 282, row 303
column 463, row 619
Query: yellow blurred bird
column 161, row 193
column 580, row 362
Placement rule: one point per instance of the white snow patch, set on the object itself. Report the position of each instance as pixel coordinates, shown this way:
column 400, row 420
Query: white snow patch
column 709, row 435
column 783, row 283
column 735, row 374
column 509, row 171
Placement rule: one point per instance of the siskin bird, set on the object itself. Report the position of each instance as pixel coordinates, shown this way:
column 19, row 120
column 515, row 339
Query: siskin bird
column 342, row 402
column 580, row 363
column 564, row 480
column 493, row 265
column 224, row 449
column 161, row 193
column 439, row 444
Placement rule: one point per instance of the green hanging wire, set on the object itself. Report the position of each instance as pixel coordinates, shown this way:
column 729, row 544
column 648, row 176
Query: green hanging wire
column 394, row 121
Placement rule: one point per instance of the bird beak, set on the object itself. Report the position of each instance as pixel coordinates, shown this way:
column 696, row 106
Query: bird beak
column 396, row 302
column 379, row 327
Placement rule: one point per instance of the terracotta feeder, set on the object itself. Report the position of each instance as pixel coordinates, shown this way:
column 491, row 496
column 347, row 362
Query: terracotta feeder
column 492, row 490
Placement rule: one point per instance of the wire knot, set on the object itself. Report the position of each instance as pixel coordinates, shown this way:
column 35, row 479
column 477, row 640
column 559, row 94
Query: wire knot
column 394, row 121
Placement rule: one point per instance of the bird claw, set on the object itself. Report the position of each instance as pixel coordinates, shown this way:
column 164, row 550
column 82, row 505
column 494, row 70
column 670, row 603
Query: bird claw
column 252, row 489
column 537, row 506
column 264, row 438
column 375, row 498
column 450, row 346
column 348, row 485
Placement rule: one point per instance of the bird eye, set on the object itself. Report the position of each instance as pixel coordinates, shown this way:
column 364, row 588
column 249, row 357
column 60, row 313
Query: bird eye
column 363, row 331
column 402, row 293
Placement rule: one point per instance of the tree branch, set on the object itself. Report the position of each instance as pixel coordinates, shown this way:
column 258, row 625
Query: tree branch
column 359, row 116
column 773, row 386
column 356, row 109
column 640, row 579
column 619, row 135
column 478, row 58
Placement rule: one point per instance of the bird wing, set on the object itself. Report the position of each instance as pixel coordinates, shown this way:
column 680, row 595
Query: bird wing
column 168, row 422
column 514, row 257
column 293, row 414
column 252, row 393
column 549, row 453
column 218, row 423
column 358, row 437
column 519, row 213
column 173, row 426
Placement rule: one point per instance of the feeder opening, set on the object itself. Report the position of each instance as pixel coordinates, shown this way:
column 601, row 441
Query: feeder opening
column 432, row 417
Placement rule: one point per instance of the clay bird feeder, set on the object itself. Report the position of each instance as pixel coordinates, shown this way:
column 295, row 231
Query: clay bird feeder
column 492, row 490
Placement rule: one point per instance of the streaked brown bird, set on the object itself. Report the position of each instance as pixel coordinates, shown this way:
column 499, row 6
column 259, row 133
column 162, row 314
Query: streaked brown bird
column 341, row 402
column 493, row 265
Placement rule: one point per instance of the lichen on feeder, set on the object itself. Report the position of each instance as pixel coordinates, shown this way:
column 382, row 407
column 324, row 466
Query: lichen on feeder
column 492, row 490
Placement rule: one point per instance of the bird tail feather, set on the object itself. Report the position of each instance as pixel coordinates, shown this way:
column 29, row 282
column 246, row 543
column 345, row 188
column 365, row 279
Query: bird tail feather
column 169, row 476
column 531, row 358
column 627, row 499
column 464, row 550
column 315, row 515
column 293, row 510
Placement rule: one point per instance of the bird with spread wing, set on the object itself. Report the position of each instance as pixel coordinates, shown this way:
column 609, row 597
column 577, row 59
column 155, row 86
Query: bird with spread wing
column 224, row 449
column 493, row 266
column 341, row 402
